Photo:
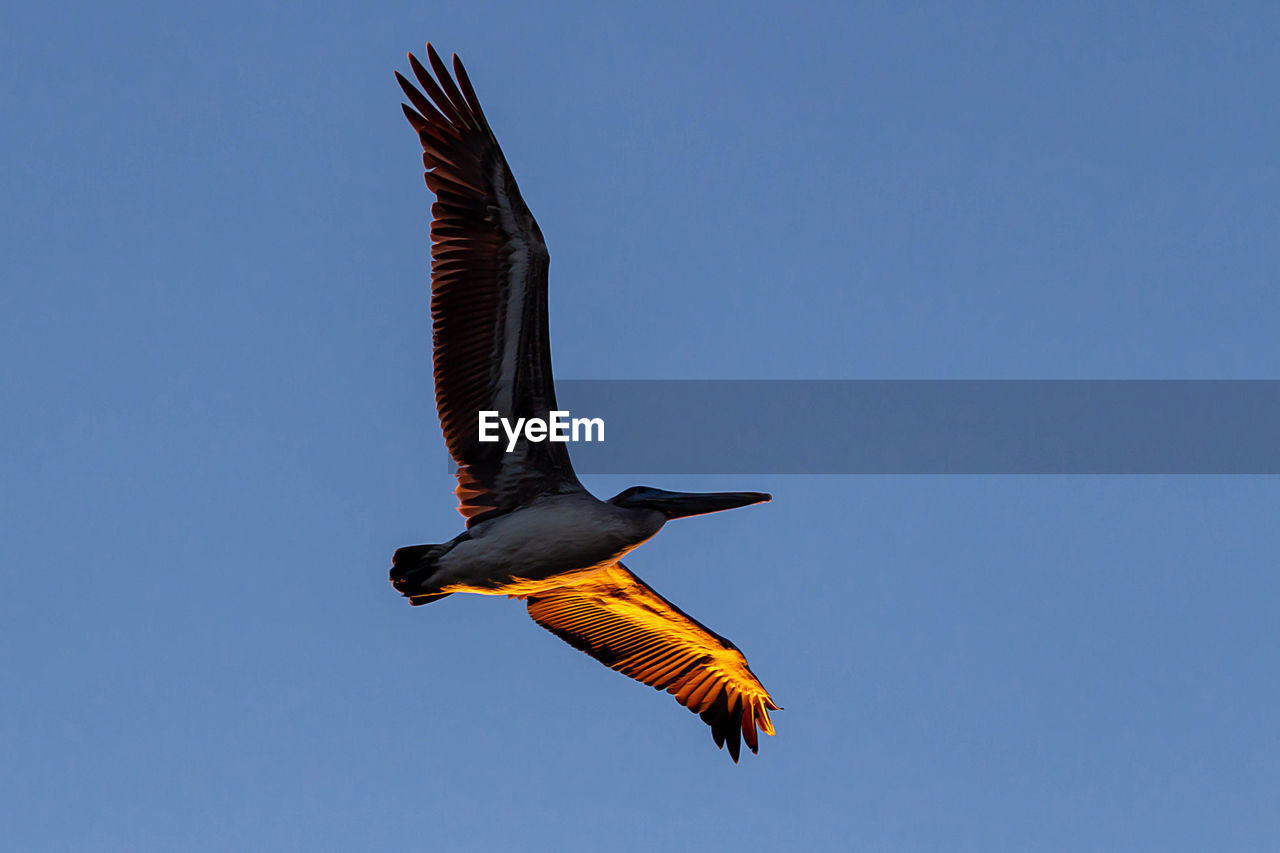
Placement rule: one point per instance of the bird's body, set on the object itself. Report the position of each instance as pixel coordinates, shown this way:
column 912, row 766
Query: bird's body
column 533, row 548
column 533, row 531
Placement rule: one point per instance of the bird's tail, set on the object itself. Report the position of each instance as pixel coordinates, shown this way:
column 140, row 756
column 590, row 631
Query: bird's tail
column 412, row 568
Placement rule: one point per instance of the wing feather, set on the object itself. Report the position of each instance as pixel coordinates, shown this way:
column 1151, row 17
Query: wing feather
column 614, row 616
column 488, row 297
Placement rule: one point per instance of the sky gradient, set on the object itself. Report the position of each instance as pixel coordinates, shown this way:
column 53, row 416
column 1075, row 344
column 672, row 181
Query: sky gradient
column 219, row 425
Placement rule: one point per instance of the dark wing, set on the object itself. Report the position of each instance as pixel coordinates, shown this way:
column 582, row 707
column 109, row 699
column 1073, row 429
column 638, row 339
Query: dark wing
column 622, row 622
column 488, row 299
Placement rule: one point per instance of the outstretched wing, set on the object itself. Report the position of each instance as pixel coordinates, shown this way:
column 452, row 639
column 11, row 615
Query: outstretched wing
column 622, row 622
column 488, row 299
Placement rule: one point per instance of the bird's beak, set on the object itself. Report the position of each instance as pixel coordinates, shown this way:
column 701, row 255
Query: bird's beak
column 683, row 504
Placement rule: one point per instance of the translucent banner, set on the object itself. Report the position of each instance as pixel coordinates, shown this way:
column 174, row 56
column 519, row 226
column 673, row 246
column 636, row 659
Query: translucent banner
column 926, row 427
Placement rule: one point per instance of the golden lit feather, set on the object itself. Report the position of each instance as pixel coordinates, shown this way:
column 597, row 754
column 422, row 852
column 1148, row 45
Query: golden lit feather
column 617, row 618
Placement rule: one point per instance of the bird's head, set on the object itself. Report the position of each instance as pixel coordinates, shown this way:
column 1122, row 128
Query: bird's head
column 682, row 504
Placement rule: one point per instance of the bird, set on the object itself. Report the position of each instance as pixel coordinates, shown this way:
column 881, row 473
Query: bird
column 533, row 532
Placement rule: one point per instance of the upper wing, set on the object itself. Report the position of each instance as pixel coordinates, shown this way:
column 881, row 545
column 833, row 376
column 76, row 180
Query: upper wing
column 488, row 298
column 622, row 622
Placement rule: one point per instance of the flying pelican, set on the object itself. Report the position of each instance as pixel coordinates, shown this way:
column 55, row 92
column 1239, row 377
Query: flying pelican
column 533, row 532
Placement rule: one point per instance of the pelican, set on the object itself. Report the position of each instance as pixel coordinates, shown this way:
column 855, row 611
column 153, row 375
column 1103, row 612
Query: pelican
column 533, row 531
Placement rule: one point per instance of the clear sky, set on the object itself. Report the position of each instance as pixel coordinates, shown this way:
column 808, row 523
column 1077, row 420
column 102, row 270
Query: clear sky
column 218, row 425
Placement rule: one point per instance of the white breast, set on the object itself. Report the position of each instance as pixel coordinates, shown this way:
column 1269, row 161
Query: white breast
column 556, row 534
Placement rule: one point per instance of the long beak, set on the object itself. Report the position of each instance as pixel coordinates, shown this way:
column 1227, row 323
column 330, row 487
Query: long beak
column 683, row 504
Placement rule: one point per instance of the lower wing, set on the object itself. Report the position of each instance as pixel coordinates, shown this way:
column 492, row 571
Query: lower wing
column 625, row 624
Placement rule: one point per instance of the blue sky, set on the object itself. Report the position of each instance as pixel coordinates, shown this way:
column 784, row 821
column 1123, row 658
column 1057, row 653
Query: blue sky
column 214, row 331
